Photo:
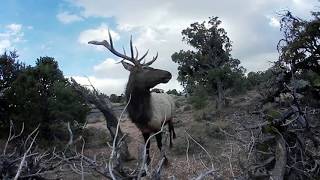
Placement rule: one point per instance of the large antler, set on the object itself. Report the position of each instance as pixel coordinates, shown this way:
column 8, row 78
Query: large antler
column 134, row 59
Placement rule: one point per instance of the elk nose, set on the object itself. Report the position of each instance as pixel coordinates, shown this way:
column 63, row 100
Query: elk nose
column 169, row 75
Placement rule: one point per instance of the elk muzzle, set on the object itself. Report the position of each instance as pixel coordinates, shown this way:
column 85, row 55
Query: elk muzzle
column 166, row 77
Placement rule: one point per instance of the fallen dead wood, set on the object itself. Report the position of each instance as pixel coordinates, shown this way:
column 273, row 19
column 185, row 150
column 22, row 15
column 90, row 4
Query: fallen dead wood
column 96, row 98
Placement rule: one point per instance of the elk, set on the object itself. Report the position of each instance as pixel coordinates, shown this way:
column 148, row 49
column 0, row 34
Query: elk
column 147, row 110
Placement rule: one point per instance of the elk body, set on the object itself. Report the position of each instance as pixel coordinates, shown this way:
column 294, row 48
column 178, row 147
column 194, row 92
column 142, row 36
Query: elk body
column 148, row 111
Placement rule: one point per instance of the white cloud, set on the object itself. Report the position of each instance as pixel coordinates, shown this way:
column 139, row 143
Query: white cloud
column 109, row 69
column 105, row 85
column 66, row 17
column 4, row 44
column 157, row 26
column 11, row 35
column 111, row 78
column 260, row 62
column 274, row 22
column 46, row 46
column 305, row 5
column 98, row 34
column 14, row 28
column 108, row 77
column 117, row 85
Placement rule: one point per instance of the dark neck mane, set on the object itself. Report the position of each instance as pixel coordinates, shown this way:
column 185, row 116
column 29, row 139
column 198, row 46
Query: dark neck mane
column 139, row 109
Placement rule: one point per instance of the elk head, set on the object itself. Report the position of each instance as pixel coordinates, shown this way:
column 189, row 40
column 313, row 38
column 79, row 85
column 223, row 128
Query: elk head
column 141, row 74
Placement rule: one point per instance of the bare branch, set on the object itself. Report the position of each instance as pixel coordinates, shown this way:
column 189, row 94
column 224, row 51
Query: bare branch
column 27, row 151
column 208, row 154
column 114, row 147
column 12, row 136
column 203, row 175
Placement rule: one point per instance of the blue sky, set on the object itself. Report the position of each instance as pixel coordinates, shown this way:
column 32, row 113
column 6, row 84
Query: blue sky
column 45, row 35
column 62, row 28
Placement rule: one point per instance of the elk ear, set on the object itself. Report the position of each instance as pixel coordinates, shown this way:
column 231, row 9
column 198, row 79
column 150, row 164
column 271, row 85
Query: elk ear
column 127, row 66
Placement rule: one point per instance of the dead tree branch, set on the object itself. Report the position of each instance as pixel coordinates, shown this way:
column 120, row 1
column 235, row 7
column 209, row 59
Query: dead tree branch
column 94, row 97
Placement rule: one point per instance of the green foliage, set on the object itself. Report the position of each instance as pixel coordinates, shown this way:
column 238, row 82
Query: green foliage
column 174, row 92
column 117, row 99
column 299, row 52
column 300, row 46
column 9, row 70
column 272, row 114
column 254, row 78
column 187, row 69
column 41, row 95
column 210, row 65
column 261, row 78
column 313, row 78
column 199, row 99
column 66, row 105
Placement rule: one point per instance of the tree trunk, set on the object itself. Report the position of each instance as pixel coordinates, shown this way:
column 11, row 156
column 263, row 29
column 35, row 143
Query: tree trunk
column 112, row 123
column 220, row 102
column 102, row 104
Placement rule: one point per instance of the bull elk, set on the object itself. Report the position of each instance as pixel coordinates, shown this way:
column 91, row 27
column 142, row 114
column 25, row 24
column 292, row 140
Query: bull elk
column 147, row 110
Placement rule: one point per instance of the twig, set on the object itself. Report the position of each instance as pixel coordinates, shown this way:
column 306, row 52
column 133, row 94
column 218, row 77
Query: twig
column 12, row 136
column 208, row 154
column 156, row 174
column 70, row 135
column 251, row 147
column 187, row 151
column 203, row 175
column 114, row 142
column 25, row 154
column 230, row 164
column 233, row 136
column 81, row 163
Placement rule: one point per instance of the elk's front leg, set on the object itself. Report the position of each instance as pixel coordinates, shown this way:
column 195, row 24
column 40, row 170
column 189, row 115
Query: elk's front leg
column 159, row 143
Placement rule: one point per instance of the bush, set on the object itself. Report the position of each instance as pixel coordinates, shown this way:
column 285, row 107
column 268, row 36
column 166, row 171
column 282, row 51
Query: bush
column 203, row 132
column 10, row 68
column 117, row 99
column 96, row 137
column 174, row 92
column 41, row 95
column 199, row 98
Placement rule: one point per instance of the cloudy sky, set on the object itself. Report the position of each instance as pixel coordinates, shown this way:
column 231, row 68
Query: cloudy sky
column 62, row 28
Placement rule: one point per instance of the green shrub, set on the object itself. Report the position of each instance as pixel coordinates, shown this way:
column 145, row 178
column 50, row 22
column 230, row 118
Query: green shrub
column 174, row 92
column 199, row 98
column 41, row 95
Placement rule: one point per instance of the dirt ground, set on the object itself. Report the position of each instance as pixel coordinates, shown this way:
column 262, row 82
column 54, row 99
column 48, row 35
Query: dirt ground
column 221, row 142
column 200, row 144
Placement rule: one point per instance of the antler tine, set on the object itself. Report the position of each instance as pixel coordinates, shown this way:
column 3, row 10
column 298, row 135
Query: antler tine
column 110, row 38
column 124, row 51
column 143, row 56
column 137, row 53
column 131, row 47
column 153, row 60
column 110, row 47
column 134, row 58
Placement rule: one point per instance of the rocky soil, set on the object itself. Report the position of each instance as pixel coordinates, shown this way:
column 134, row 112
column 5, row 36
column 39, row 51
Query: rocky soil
column 206, row 138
